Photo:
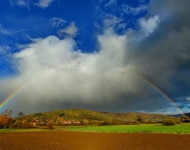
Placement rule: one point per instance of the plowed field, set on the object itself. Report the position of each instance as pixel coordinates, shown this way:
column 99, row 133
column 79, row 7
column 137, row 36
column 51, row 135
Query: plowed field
column 92, row 141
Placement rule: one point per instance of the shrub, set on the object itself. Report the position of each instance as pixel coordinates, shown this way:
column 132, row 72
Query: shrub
column 48, row 126
column 20, row 124
column 106, row 123
column 85, row 122
column 168, row 122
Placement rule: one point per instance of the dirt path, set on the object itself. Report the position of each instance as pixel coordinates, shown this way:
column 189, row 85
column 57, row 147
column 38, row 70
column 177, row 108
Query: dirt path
column 92, row 141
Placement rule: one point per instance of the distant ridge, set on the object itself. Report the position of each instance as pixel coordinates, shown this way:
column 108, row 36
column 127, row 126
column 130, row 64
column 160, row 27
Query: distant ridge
column 92, row 115
column 180, row 115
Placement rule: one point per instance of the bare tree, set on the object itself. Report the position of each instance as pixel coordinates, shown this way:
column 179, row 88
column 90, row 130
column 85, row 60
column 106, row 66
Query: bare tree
column 20, row 114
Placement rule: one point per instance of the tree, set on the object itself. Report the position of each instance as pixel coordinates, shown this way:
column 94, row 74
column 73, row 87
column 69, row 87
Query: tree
column 139, row 119
column 85, row 122
column 5, row 119
column 20, row 114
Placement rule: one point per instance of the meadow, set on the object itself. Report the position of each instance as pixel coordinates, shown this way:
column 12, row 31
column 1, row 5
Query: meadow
column 142, row 128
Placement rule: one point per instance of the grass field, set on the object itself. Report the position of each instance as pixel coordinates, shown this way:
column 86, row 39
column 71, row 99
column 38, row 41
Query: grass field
column 143, row 128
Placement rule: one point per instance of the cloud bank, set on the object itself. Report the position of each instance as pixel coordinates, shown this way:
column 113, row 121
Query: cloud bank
column 55, row 72
column 115, row 78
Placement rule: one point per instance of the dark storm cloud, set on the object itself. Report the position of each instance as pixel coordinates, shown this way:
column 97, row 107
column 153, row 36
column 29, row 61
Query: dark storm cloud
column 162, row 55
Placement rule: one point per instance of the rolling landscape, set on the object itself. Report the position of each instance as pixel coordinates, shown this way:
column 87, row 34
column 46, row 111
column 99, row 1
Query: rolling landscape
column 95, row 75
column 79, row 117
column 67, row 129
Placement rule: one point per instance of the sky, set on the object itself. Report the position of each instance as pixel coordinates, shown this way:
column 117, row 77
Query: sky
column 105, row 55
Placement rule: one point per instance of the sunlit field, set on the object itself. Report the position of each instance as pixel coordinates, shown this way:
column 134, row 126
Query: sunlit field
column 143, row 128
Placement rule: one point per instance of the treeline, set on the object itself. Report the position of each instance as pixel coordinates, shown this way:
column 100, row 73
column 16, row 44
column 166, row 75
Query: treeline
column 7, row 121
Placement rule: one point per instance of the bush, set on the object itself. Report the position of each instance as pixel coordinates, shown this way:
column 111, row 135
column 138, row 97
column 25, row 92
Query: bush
column 168, row 122
column 85, row 122
column 106, row 123
column 20, row 124
column 50, row 127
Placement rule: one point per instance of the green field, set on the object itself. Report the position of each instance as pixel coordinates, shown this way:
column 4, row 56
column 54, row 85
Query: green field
column 143, row 128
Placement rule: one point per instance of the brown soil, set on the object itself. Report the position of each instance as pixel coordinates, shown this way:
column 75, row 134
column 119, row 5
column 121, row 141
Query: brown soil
column 92, row 141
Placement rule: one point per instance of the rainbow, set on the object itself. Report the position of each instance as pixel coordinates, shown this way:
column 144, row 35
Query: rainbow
column 161, row 92
column 6, row 100
column 15, row 92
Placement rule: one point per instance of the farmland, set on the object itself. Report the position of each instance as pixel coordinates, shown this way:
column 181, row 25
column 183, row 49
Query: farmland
column 143, row 128
column 67, row 140
column 90, row 130
column 125, row 137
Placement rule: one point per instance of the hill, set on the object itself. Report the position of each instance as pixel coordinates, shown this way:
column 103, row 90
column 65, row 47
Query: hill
column 83, row 116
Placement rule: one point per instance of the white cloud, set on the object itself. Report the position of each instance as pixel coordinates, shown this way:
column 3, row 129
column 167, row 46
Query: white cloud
column 149, row 25
column 70, row 31
column 108, row 2
column 53, row 53
column 57, row 22
column 133, row 10
column 4, row 49
column 59, row 74
column 170, row 110
column 146, row 28
column 28, row 3
column 111, row 3
column 23, row 3
column 4, row 30
column 44, row 3
column 111, row 21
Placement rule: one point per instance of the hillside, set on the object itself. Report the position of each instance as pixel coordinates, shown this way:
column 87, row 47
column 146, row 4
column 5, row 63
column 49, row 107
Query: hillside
column 82, row 116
